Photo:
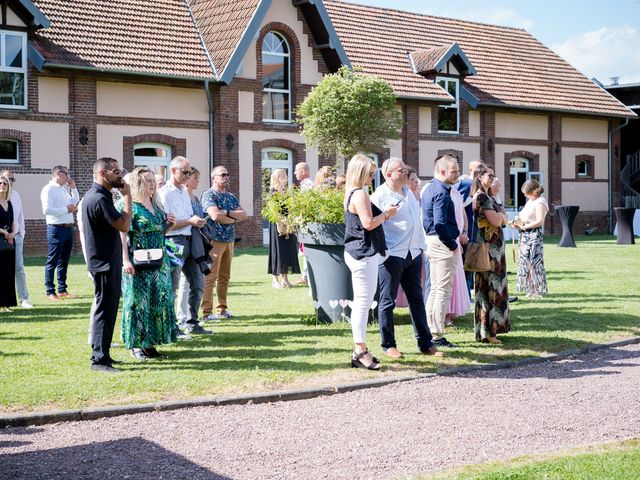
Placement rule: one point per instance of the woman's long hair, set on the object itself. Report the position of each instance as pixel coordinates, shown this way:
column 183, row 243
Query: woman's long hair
column 8, row 188
column 477, row 183
column 279, row 180
column 139, row 185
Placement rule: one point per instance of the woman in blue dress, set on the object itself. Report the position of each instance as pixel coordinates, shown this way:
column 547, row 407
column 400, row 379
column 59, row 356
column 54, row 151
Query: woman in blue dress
column 148, row 317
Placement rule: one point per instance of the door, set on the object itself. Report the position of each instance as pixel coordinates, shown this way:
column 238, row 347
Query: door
column 273, row 158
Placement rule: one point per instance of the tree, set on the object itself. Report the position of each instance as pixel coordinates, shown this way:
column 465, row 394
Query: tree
column 350, row 112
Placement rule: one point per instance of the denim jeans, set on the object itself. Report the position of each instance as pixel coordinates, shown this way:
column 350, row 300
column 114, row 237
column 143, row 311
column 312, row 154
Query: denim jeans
column 406, row 272
column 21, row 277
column 194, row 277
column 60, row 241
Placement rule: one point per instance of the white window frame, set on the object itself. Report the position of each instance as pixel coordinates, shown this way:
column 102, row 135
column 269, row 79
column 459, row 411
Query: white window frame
column 515, row 171
column 453, row 105
column 144, row 161
column 8, row 160
column 272, row 164
column 586, row 174
column 22, row 70
column 286, row 91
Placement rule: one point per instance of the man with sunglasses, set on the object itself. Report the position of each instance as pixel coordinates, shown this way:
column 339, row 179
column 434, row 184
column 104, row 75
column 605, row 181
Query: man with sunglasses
column 102, row 224
column 59, row 199
column 403, row 265
column 18, row 213
column 224, row 212
column 175, row 200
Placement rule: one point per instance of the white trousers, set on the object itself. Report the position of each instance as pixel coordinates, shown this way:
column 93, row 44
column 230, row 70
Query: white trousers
column 442, row 264
column 364, row 277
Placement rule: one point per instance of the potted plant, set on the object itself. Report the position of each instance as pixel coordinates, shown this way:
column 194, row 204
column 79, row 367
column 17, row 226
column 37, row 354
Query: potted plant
column 317, row 217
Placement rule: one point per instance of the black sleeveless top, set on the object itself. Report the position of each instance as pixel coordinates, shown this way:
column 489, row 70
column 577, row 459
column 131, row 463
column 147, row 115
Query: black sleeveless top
column 358, row 241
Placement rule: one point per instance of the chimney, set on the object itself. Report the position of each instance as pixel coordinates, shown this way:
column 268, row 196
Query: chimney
column 614, row 80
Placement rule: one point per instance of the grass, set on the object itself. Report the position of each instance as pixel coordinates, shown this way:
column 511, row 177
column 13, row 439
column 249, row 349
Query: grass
column 618, row 461
column 45, row 357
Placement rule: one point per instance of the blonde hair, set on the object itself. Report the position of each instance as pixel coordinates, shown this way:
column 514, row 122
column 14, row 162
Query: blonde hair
column 279, row 179
column 139, row 185
column 9, row 189
column 358, row 171
column 324, row 173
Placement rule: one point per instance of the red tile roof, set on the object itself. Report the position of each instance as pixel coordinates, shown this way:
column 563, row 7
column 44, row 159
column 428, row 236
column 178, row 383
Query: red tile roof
column 222, row 23
column 513, row 68
column 425, row 59
column 155, row 37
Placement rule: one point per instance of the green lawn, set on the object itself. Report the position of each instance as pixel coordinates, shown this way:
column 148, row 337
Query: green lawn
column 619, row 461
column 44, row 360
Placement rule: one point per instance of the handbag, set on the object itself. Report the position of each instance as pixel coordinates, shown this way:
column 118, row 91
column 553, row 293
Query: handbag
column 148, row 258
column 283, row 229
column 476, row 259
column 5, row 246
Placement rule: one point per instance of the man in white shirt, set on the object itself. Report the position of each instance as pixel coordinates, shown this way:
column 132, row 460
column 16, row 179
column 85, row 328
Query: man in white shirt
column 302, row 174
column 59, row 199
column 403, row 266
column 18, row 213
column 175, row 200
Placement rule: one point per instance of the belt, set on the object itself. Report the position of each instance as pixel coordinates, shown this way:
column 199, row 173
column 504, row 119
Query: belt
column 63, row 225
column 179, row 235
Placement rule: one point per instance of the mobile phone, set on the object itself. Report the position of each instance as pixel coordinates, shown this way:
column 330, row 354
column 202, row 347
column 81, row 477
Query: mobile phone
column 398, row 204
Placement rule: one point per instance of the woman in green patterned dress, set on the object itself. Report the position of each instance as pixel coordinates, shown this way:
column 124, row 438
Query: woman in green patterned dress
column 148, row 317
column 490, row 288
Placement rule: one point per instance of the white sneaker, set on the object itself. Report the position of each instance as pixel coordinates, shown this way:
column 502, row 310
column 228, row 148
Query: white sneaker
column 226, row 314
column 26, row 304
column 210, row 318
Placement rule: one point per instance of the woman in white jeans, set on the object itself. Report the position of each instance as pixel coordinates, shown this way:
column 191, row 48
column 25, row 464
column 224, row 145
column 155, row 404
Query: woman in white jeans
column 364, row 245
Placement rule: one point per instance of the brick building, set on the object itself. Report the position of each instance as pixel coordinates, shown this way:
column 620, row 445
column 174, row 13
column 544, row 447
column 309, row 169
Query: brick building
column 219, row 80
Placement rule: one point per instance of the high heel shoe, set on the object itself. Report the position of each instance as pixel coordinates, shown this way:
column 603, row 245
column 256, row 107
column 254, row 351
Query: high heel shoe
column 368, row 363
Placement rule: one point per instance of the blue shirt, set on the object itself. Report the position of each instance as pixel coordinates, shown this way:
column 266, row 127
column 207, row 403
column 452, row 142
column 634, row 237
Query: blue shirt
column 439, row 215
column 224, row 201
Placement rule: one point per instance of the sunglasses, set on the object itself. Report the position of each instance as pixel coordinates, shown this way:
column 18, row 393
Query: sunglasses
column 223, row 175
column 4, row 183
column 186, row 172
column 115, row 171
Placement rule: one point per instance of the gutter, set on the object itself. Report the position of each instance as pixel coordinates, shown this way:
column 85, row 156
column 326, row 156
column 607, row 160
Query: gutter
column 212, row 128
column 125, row 72
column 619, row 127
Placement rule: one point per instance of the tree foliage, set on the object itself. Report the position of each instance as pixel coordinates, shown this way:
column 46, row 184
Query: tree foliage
column 350, row 112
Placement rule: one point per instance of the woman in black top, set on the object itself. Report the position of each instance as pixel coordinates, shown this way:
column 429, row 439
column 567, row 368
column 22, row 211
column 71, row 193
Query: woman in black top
column 8, row 229
column 364, row 246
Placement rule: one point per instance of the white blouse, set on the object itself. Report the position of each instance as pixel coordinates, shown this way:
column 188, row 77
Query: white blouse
column 528, row 212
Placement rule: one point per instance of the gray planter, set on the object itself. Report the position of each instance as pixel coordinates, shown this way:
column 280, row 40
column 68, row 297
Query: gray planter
column 329, row 275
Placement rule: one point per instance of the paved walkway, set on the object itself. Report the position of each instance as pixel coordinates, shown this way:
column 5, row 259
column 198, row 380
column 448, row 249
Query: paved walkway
column 394, row 431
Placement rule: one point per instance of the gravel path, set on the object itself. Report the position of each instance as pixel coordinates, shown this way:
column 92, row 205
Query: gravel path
column 394, row 431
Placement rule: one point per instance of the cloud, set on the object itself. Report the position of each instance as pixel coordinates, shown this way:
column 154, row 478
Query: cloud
column 604, row 53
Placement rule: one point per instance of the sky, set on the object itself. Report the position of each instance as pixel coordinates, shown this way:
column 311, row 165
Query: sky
column 599, row 38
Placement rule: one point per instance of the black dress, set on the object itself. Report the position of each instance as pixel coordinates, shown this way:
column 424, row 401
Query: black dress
column 283, row 252
column 7, row 263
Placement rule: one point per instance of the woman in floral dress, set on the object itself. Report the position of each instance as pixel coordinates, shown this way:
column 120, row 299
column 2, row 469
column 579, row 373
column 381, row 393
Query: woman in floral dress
column 148, row 317
column 492, row 299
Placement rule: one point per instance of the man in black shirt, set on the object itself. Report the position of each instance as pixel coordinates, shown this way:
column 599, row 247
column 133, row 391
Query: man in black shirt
column 102, row 225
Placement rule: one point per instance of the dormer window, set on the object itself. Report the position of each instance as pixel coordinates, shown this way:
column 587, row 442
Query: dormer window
column 449, row 114
column 13, row 69
column 276, row 75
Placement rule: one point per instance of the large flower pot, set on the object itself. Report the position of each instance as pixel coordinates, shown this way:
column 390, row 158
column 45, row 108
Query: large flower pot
column 328, row 273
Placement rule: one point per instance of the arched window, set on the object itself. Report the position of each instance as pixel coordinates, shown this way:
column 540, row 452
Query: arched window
column 156, row 156
column 276, row 78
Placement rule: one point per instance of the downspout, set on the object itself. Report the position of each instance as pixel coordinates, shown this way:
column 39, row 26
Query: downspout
column 626, row 122
column 212, row 126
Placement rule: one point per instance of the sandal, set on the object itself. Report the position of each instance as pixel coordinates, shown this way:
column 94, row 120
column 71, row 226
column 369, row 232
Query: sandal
column 276, row 284
column 356, row 361
column 139, row 354
column 492, row 341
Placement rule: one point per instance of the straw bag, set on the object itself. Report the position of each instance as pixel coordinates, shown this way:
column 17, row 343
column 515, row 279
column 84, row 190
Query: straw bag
column 476, row 259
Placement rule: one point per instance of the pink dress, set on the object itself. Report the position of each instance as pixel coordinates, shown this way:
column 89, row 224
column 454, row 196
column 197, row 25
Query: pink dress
column 460, row 301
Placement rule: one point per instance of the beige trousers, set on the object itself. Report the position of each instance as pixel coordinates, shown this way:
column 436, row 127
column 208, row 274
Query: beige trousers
column 442, row 263
column 221, row 255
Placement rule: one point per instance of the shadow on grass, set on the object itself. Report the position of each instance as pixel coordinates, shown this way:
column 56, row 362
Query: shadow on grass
column 139, row 457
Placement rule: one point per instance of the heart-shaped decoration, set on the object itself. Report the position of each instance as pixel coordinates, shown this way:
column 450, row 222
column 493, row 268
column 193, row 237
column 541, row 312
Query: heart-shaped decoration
column 349, row 303
column 374, row 304
column 333, row 303
column 344, row 302
column 316, row 304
